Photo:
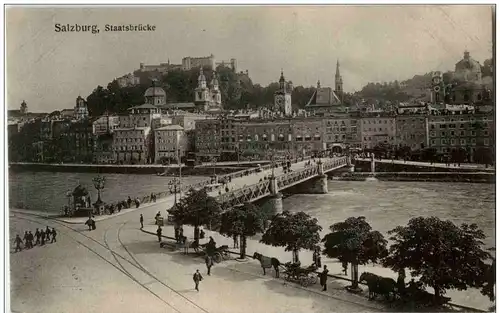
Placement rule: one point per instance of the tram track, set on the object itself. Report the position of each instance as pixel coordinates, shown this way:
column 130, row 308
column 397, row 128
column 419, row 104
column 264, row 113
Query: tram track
column 116, row 256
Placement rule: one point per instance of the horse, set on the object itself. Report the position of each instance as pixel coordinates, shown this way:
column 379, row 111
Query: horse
column 267, row 262
column 378, row 285
column 190, row 244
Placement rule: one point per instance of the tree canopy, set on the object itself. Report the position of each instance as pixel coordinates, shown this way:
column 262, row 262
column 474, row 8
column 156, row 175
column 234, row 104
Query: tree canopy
column 354, row 241
column 243, row 221
column 294, row 231
column 196, row 208
column 442, row 254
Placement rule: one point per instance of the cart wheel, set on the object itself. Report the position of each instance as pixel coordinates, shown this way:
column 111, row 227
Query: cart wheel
column 217, row 257
column 304, row 282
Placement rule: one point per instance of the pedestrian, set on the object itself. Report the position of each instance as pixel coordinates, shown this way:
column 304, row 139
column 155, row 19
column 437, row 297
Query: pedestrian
column 176, row 233
column 322, row 277
column 89, row 223
column 26, row 240
column 141, row 220
column 209, row 262
column 344, row 267
column 156, row 217
column 137, row 203
column 42, row 236
column 318, row 259
column 181, row 232
column 30, row 239
column 196, row 277
column 93, row 224
column 235, row 241
column 54, row 234
column 37, row 235
column 129, row 202
column 202, row 234
column 158, row 233
column 47, row 233
column 18, row 241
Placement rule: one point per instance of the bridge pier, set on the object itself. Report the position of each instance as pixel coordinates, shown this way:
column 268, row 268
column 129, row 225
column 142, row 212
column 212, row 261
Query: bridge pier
column 319, row 185
column 275, row 204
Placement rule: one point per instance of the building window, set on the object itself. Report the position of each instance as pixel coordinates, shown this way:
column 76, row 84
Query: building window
column 433, row 142
column 443, row 141
column 486, row 141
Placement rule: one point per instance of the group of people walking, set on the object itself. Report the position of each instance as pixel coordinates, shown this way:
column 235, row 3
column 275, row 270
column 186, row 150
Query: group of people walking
column 40, row 237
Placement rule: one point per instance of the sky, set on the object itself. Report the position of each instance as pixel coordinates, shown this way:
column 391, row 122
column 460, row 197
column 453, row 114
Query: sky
column 376, row 43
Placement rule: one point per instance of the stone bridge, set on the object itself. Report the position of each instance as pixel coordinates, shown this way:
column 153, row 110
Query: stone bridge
column 271, row 186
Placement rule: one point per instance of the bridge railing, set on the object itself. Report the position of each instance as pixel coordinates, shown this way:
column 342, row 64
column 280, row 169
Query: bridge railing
column 333, row 163
column 246, row 194
column 287, row 179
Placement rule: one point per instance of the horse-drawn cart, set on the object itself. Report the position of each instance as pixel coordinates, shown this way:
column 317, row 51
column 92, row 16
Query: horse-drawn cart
column 219, row 254
column 304, row 276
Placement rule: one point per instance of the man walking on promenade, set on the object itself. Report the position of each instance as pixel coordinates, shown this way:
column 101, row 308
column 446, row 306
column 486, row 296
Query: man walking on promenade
column 37, row 235
column 18, row 241
column 209, row 262
column 26, row 240
column 141, row 219
column 322, row 277
column 47, row 233
column 54, row 234
column 197, row 278
column 42, row 236
column 30, row 239
column 158, row 232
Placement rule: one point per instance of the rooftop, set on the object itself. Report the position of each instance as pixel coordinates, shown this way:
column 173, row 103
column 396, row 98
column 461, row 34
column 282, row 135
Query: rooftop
column 323, row 96
column 171, row 127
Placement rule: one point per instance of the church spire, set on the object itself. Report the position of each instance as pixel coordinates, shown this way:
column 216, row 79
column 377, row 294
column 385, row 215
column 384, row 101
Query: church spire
column 202, row 82
column 339, row 90
column 282, row 81
column 337, row 72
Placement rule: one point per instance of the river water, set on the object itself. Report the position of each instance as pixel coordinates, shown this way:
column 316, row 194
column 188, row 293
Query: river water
column 388, row 204
column 384, row 204
column 45, row 191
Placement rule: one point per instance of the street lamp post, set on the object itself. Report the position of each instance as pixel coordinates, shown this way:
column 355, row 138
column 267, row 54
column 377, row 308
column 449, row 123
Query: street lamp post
column 172, row 186
column 99, row 182
column 273, row 163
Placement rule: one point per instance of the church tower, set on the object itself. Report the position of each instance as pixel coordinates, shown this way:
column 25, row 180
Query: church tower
column 24, row 108
column 339, row 91
column 216, row 95
column 283, row 97
column 201, row 93
column 81, row 111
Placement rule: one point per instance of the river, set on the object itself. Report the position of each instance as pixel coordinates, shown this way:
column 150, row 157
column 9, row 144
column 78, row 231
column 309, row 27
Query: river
column 385, row 204
column 46, row 191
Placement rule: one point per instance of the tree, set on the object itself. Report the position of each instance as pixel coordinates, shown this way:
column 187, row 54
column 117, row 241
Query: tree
column 294, row 231
column 197, row 208
column 489, row 288
column 243, row 221
column 354, row 241
column 442, row 254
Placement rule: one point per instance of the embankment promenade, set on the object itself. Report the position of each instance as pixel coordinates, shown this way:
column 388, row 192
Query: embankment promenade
column 220, row 169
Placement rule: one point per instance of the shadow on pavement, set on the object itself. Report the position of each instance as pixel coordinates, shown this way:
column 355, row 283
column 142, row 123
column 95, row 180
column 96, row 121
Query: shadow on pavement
column 186, row 259
column 233, row 273
column 145, row 247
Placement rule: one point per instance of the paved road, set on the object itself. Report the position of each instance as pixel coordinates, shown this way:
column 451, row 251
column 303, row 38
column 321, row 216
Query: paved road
column 118, row 268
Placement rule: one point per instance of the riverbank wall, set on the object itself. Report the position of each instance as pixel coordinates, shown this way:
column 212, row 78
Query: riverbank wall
column 466, row 177
column 126, row 169
column 365, row 166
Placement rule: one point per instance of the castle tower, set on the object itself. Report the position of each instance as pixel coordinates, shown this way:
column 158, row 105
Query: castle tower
column 283, row 97
column 202, row 93
column 338, row 83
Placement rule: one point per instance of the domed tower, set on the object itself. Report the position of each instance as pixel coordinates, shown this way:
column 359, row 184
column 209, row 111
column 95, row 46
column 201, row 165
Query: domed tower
column 201, row 93
column 283, row 97
column 468, row 69
column 155, row 95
